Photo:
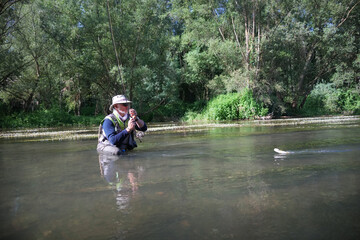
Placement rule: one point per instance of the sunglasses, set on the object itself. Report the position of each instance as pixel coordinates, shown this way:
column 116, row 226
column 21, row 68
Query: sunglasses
column 125, row 104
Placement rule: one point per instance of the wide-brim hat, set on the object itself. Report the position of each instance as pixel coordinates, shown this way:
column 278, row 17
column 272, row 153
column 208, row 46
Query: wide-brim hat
column 118, row 99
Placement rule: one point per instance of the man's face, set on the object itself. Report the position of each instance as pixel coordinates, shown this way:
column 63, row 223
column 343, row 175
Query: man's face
column 122, row 107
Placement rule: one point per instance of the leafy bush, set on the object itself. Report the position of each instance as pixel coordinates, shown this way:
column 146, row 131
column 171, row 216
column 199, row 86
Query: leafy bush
column 350, row 101
column 232, row 106
column 53, row 117
column 322, row 100
column 326, row 99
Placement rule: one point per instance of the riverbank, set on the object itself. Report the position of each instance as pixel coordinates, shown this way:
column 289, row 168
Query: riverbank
column 79, row 133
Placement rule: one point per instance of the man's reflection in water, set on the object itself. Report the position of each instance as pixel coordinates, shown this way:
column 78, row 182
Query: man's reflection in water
column 123, row 175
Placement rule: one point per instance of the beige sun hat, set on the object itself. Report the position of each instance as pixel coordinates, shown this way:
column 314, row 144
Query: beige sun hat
column 118, row 99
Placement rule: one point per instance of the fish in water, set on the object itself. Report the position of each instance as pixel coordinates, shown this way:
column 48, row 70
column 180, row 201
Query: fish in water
column 312, row 151
column 281, row 151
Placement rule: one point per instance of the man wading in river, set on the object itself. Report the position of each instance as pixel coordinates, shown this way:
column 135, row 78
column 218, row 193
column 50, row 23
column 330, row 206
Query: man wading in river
column 114, row 137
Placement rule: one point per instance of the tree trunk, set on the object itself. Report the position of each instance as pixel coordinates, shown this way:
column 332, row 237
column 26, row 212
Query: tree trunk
column 219, row 28
column 236, row 36
column 29, row 100
column 258, row 52
column 300, row 88
column 246, row 28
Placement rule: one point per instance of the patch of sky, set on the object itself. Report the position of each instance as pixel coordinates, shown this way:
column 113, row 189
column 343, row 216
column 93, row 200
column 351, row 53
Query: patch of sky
column 83, row 11
column 330, row 23
column 219, row 11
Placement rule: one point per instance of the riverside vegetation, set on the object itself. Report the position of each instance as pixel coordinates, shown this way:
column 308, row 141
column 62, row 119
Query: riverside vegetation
column 62, row 61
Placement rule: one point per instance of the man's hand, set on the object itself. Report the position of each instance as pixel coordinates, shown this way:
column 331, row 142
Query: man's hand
column 135, row 119
column 131, row 125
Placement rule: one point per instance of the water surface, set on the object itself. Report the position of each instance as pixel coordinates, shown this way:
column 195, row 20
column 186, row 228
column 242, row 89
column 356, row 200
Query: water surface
column 217, row 183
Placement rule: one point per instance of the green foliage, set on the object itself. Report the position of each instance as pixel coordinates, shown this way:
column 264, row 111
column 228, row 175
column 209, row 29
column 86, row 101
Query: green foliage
column 231, row 106
column 172, row 111
column 176, row 55
column 322, row 100
column 53, row 117
column 350, row 101
column 326, row 99
column 307, row 48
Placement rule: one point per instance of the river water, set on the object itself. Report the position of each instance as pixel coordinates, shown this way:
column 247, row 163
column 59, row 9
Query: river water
column 195, row 183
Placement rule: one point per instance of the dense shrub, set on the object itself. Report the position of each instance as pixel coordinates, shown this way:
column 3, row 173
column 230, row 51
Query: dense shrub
column 326, row 99
column 350, row 101
column 53, row 117
column 232, row 106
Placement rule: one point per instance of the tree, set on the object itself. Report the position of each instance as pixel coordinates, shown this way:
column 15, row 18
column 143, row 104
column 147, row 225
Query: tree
column 9, row 18
column 98, row 40
column 28, row 48
column 304, row 49
column 78, row 54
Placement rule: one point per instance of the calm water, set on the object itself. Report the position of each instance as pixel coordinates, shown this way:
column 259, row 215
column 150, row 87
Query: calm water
column 223, row 183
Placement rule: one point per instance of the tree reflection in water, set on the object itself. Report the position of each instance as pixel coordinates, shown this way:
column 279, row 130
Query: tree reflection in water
column 123, row 175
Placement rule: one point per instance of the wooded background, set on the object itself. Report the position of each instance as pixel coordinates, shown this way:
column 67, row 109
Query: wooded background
column 173, row 56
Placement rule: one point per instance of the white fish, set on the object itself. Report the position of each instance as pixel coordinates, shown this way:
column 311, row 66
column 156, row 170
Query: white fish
column 280, row 151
